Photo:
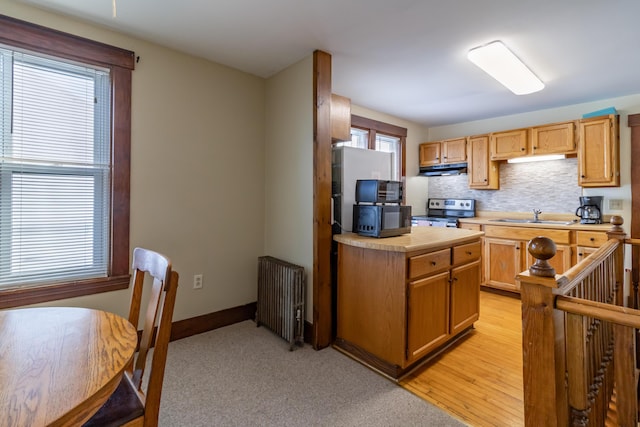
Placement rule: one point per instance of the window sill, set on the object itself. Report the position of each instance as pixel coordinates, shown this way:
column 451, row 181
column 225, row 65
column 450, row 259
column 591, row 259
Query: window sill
column 20, row 296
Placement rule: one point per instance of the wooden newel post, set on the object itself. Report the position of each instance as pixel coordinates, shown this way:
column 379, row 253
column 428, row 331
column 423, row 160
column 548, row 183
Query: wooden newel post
column 543, row 354
column 542, row 249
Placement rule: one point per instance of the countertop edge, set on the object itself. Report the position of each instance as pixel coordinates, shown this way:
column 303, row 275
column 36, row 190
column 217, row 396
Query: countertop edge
column 421, row 238
column 575, row 226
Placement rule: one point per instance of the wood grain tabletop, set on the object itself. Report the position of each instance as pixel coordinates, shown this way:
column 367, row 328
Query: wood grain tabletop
column 58, row 365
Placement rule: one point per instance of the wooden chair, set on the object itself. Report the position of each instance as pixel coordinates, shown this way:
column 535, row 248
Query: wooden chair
column 129, row 405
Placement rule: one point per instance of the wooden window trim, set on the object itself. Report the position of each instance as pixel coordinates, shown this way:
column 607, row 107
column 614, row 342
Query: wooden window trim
column 20, row 34
column 382, row 127
column 374, row 127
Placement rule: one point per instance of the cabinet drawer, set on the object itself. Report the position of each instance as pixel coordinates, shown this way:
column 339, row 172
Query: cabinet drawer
column 468, row 226
column 522, row 233
column 466, row 253
column 591, row 238
column 429, row 263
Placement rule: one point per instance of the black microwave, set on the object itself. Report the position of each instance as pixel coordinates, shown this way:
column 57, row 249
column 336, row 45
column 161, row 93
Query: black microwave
column 378, row 191
column 381, row 220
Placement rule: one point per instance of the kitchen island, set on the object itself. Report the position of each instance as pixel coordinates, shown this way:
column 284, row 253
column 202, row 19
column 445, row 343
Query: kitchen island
column 401, row 299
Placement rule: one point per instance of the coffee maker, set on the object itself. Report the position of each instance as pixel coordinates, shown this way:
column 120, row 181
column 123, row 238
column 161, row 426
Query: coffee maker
column 590, row 210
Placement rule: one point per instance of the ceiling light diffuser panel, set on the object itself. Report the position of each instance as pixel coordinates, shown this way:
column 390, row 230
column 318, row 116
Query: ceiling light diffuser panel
column 500, row 63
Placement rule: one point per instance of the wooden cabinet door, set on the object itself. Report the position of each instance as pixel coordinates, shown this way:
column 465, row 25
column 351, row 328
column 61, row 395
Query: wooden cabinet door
column 561, row 261
column 509, row 144
column 465, row 296
column 429, row 154
column 584, row 251
column 553, row 139
column 454, row 150
column 599, row 152
column 483, row 173
column 340, row 118
column 428, row 315
column 504, row 259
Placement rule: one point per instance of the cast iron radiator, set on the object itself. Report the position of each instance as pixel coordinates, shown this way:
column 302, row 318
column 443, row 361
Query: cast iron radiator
column 281, row 298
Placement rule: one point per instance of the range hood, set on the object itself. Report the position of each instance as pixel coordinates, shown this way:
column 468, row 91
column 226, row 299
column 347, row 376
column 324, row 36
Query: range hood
column 438, row 170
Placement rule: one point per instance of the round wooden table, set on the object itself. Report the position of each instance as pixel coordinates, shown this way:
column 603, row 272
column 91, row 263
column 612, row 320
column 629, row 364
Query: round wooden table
column 58, row 365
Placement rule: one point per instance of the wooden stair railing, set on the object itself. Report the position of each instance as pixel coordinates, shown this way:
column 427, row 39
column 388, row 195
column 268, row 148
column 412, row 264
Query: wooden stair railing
column 578, row 338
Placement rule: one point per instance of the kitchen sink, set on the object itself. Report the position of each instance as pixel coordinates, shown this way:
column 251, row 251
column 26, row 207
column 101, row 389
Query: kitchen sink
column 531, row 221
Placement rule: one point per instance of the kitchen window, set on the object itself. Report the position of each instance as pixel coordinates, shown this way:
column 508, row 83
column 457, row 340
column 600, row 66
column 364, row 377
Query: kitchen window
column 380, row 136
column 64, row 169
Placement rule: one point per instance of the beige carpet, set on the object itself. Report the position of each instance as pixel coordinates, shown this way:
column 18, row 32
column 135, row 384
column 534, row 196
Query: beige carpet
column 241, row 375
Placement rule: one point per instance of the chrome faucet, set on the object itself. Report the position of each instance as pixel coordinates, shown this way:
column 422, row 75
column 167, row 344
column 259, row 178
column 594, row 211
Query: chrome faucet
column 536, row 212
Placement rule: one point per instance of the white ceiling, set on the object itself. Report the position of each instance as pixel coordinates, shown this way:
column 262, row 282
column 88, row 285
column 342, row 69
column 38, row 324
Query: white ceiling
column 402, row 57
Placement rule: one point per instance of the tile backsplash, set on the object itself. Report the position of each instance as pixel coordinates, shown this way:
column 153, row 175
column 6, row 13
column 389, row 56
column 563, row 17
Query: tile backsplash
column 551, row 186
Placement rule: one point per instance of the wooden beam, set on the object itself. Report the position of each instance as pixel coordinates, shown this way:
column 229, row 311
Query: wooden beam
column 322, row 294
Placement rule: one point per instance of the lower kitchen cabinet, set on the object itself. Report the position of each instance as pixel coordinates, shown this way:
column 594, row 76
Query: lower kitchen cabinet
column 465, row 307
column 428, row 315
column 561, row 261
column 588, row 242
column 394, row 308
column 506, row 254
column 503, row 260
column 584, row 251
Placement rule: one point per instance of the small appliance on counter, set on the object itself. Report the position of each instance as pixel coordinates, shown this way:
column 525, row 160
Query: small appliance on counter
column 445, row 212
column 377, row 212
column 378, row 191
column 590, row 210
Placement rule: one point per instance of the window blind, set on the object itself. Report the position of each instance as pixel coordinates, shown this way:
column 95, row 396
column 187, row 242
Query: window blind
column 54, row 170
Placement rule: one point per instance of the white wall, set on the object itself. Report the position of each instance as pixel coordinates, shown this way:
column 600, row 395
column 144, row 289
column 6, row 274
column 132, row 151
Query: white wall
column 288, row 183
column 197, row 169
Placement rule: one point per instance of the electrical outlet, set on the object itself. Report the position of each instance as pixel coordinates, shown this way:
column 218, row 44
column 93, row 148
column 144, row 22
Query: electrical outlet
column 197, row 281
column 615, row 204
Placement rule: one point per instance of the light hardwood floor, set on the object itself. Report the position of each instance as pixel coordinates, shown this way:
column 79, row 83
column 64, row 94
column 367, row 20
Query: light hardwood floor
column 479, row 379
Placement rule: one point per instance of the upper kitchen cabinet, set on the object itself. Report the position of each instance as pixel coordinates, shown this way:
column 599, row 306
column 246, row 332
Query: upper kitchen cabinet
column 555, row 138
column 483, row 173
column 429, row 154
column 340, row 118
column 509, row 144
column 599, row 152
column 443, row 152
column 558, row 138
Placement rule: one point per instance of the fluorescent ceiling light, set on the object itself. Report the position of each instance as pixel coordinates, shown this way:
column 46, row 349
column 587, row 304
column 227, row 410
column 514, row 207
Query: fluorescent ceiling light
column 540, row 158
column 501, row 64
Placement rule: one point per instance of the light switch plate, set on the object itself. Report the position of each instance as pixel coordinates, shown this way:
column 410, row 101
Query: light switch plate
column 615, row 204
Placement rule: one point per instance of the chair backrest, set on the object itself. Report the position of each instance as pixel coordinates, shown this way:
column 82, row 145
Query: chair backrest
column 161, row 300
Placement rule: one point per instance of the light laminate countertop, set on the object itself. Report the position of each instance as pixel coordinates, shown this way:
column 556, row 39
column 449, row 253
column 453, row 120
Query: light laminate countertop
column 420, row 238
column 564, row 222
